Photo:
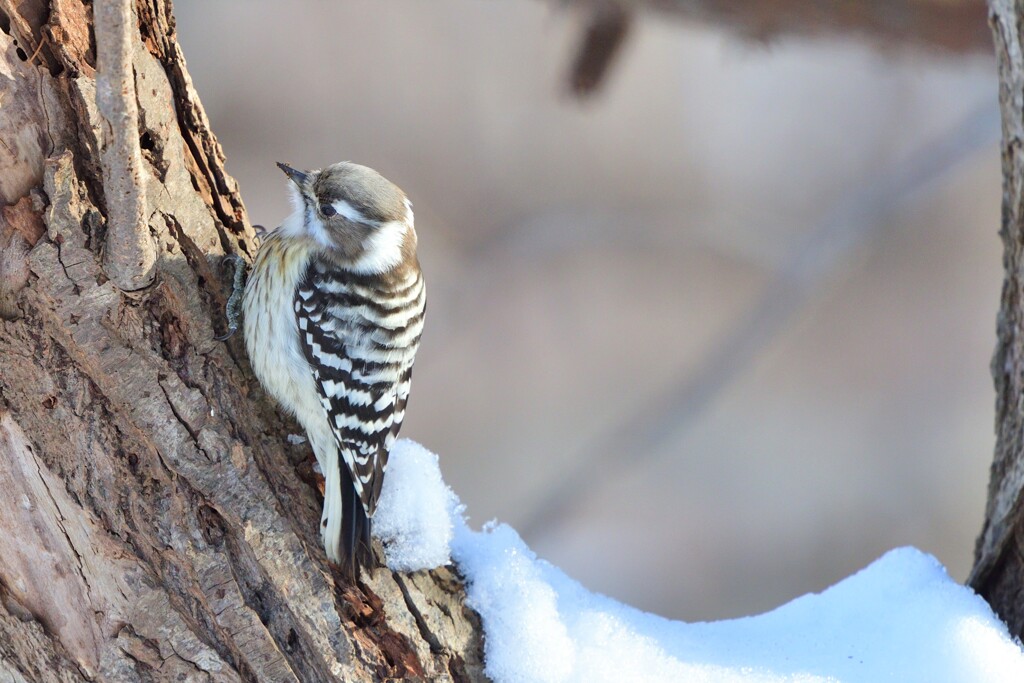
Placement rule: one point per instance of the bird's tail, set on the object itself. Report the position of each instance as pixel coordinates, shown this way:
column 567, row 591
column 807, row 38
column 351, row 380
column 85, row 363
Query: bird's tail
column 344, row 526
column 356, row 549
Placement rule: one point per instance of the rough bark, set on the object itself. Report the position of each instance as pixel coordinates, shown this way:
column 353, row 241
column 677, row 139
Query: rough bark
column 157, row 525
column 998, row 573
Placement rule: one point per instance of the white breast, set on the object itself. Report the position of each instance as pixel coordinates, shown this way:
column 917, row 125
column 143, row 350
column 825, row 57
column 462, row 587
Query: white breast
column 271, row 332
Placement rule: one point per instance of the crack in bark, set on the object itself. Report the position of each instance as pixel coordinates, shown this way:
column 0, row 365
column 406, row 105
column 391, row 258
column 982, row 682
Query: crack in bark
column 63, row 529
column 60, row 259
column 183, row 422
column 421, row 623
column 183, row 658
column 46, row 117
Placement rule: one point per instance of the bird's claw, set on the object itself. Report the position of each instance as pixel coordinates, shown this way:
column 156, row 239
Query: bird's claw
column 233, row 309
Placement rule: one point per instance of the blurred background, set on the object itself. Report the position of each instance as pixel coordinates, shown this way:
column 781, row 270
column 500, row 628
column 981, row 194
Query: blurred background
column 712, row 336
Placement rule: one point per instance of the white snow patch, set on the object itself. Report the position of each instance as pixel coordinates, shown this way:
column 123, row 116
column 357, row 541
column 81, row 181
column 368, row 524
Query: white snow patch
column 902, row 619
column 415, row 511
column 526, row 637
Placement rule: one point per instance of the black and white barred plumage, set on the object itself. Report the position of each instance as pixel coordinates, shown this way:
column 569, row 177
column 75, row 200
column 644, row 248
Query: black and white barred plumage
column 334, row 312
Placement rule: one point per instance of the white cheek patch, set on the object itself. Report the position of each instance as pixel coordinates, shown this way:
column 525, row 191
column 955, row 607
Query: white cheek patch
column 317, row 230
column 350, row 212
column 295, row 224
column 383, row 250
column 295, row 197
column 301, row 222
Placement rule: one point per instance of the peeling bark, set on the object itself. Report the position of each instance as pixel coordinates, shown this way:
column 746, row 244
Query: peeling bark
column 158, row 525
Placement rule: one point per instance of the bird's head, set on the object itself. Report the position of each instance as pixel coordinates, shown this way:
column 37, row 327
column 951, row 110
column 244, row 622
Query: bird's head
column 362, row 219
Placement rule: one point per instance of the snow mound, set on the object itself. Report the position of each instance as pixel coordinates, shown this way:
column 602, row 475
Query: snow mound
column 415, row 511
column 900, row 619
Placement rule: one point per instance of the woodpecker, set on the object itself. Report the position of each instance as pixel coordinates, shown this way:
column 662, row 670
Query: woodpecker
column 332, row 315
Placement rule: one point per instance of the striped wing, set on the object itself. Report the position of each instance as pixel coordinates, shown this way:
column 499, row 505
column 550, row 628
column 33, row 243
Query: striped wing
column 362, row 366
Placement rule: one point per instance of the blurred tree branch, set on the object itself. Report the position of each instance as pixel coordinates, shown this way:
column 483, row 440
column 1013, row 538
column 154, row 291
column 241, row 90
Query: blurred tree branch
column 949, row 25
column 958, row 25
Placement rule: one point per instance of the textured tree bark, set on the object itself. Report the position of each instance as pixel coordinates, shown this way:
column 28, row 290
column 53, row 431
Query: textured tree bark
column 998, row 572
column 156, row 524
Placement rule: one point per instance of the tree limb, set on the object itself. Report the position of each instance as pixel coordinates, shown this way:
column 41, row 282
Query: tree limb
column 998, row 573
column 129, row 258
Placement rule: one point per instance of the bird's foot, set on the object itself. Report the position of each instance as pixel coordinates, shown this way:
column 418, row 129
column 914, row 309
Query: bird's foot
column 233, row 310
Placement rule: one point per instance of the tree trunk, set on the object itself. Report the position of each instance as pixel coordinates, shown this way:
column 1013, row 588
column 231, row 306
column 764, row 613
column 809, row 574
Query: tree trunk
column 156, row 523
column 998, row 572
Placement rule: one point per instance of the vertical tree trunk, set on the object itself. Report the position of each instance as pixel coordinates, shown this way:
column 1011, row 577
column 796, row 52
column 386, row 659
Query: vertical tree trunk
column 998, row 572
column 154, row 525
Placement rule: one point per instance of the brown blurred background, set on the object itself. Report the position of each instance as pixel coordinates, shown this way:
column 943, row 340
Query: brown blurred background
column 587, row 259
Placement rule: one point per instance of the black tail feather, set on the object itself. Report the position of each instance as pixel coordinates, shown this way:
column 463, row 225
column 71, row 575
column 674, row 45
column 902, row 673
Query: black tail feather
column 356, row 550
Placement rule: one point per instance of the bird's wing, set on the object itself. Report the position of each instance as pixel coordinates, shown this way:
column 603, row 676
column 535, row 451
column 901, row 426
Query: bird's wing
column 363, row 395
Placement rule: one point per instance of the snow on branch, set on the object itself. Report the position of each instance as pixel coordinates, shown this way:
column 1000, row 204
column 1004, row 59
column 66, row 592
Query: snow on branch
column 900, row 619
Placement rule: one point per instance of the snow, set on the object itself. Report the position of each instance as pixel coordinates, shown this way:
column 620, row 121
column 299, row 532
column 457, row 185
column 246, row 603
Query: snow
column 900, row 619
column 416, row 511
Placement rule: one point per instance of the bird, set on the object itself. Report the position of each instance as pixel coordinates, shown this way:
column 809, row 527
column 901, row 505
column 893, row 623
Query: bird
column 333, row 313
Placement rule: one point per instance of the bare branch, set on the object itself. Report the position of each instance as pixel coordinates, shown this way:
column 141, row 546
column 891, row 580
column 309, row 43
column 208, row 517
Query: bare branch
column 606, row 31
column 956, row 25
column 129, row 258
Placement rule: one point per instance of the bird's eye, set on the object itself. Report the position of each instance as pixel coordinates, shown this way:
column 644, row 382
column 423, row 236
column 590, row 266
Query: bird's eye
column 327, row 210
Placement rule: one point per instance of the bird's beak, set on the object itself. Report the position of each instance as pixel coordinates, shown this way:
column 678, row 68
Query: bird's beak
column 298, row 177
